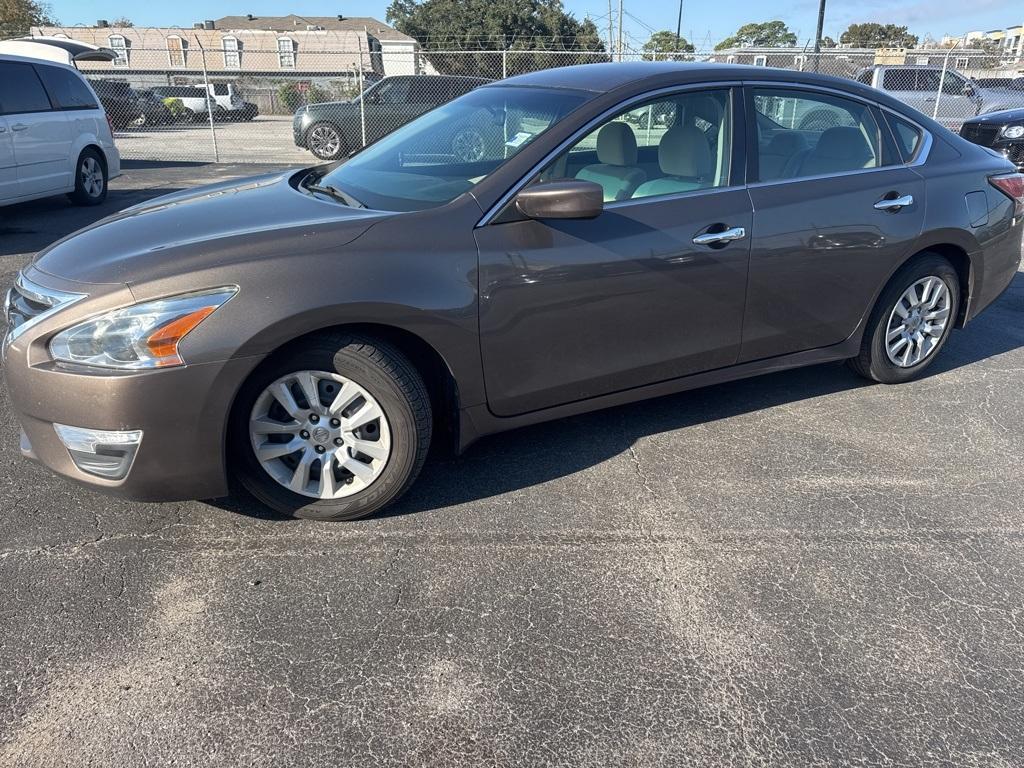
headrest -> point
(684, 151)
(843, 143)
(786, 143)
(616, 145)
(706, 108)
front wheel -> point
(335, 429)
(911, 321)
(325, 141)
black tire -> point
(873, 361)
(85, 194)
(326, 127)
(392, 380)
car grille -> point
(27, 303)
(1016, 154)
(979, 133)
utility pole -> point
(620, 30)
(679, 26)
(611, 33)
(817, 35)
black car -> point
(152, 110)
(1002, 131)
(333, 129)
(119, 101)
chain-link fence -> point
(287, 106)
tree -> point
(874, 35)
(828, 42)
(122, 21)
(17, 17)
(537, 34)
(766, 34)
(665, 45)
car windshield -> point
(444, 153)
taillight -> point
(1011, 185)
(110, 123)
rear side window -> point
(66, 88)
(804, 134)
(907, 135)
(21, 90)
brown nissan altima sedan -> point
(623, 231)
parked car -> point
(961, 97)
(120, 102)
(224, 100)
(54, 135)
(316, 329)
(1002, 131)
(152, 110)
(333, 129)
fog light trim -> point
(101, 452)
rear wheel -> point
(90, 179)
(325, 141)
(333, 430)
(911, 321)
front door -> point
(574, 309)
(827, 226)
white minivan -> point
(54, 135)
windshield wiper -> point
(334, 193)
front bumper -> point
(182, 413)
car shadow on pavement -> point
(538, 454)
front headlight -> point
(141, 336)
(1013, 131)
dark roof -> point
(291, 22)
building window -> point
(921, 61)
(176, 49)
(232, 55)
(760, 61)
(730, 60)
(119, 46)
(799, 62)
(963, 62)
(286, 53)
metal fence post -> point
(942, 80)
(209, 106)
(504, 63)
(362, 92)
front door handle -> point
(726, 236)
(3, 128)
(19, 127)
(895, 203)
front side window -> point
(176, 48)
(119, 45)
(803, 134)
(21, 90)
(900, 80)
(286, 53)
(446, 152)
(232, 55)
(66, 89)
(673, 144)
(394, 91)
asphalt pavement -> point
(799, 569)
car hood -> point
(1000, 117)
(230, 221)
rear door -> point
(8, 168)
(827, 229)
(40, 132)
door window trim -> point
(738, 167)
(753, 150)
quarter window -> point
(907, 135)
(66, 88)
(119, 45)
(674, 144)
(21, 90)
(809, 134)
(176, 48)
(286, 53)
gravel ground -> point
(800, 569)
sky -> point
(704, 21)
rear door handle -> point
(895, 203)
(726, 236)
(19, 127)
(3, 128)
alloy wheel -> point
(320, 434)
(324, 141)
(91, 175)
(918, 322)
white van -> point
(54, 135)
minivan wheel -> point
(325, 141)
(911, 321)
(334, 429)
(90, 179)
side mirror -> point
(561, 200)
(968, 90)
